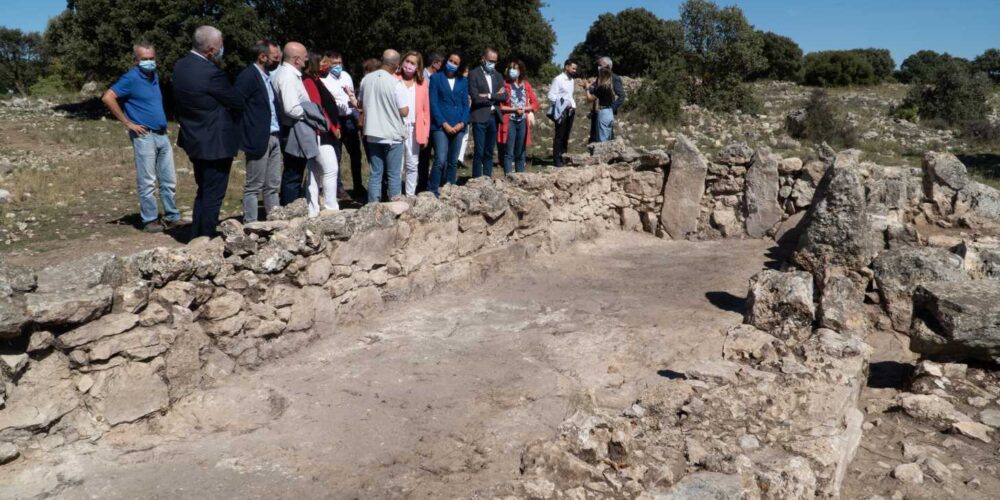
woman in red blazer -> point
(518, 113)
(325, 168)
(418, 123)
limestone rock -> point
(932, 409)
(957, 318)
(109, 325)
(909, 473)
(841, 305)
(899, 271)
(748, 343)
(8, 452)
(70, 306)
(705, 485)
(789, 166)
(736, 154)
(683, 189)
(129, 392)
(761, 198)
(223, 306)
(781, 303)
(974, 430)
(839, 232)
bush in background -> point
(989, 62)
(635, 39)
(952, 95)
(822, 123)
(660, 96)
(783, 56)
(923, 64)
(837, 68)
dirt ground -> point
(435, 398)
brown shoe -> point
(153, 227)
(170, 225)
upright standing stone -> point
(683, 190)
(761, 200)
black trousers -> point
(350, 138)
(560, 141)
(292, 178)
(212, 178)
(424, 166)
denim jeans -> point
(446, 151)
(485, 135)
(605, 124)
(154, 159)
(263, 181)
(384, 159)
(516, 136)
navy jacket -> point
(481, 105)
(205, 103)
(447, 105)
(255, 123)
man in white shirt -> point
(289, 93)
(340, 84)
(563, 110)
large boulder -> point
(781, 303)
(763, 211)
(839, 232)
(736, 154)
(944, 176)
(957, 319)
(900, 270)
(683, 189)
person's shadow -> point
(180, 234)
(727, 301)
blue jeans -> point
(605, 125)
(445, 168)
(485, 135)
(154, 159)
(517, 134)
(381, 156)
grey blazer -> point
(302, 142)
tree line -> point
(706, 56)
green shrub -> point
(837, 68)
(49, 86)
(547, 72)
(982, 131)
(661, 94)
(923, 64)
(952, 95)
(824, 124)
(784, 58)
(989, 62)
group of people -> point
(293, 113)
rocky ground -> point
(436, 398)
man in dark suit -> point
(205, 102)
(487, 91)
(260, 131)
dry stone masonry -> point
(110, 340)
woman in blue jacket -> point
(449, 96)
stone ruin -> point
(110, 340)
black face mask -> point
(271, 66)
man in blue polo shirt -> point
(138, 90)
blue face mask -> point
(337, 70)
(451, 68)
(147, 67)
(219, 54)
(490, 66)
(514, 73)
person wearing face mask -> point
(384, 106)
(206, 103)
(562, 110)
(324, 169)
(449, 102)
(260, 130)
(290, 93)
(339, 82)
(418, 121)
(143, 117)
(487, 92)
(518, 113)
(608, 94)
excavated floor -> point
(433, 398)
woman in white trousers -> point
(418, 122)
(323, 169)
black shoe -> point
(152, 227)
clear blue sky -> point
(961, 27)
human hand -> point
(136, 128)
(336, 133)
(520, 111)
(448, 129)
(459, 127)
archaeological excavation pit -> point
(645, 324)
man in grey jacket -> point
(384, 104)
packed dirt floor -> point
(433, 398)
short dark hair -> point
(487, 50)
(262, 46)
(568, 62)
(434, 57)
(461, 60)
(333, 54)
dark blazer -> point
(481, 105)
(255, 122)
(447, 105)
(616, 85)
(205, 103)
